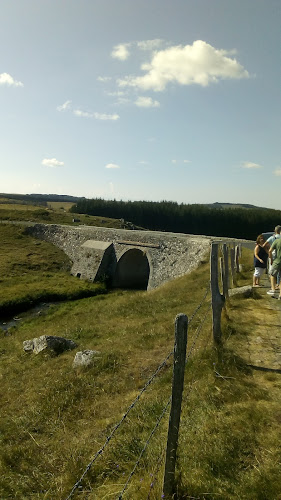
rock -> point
(245, 291)
(28, 345)
(55, 344)
(85, 358)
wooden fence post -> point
(237, 255)
(232, 266)
(181, 323)
(225, 282)
(217, 298)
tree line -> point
(183, 218)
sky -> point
(142, 99)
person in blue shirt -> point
(275, 280)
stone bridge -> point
(130, 259)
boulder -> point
(56, 345)
(85, 358)
(244, 291)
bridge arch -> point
(132, 270)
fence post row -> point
(225, 277)
(217, 298)
(181, 323)
(237, 255)
(232, 266)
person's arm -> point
(256, 253)
(270, 253)
(266, 246)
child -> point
(260, 260)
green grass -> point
(55, 213)
(55, 418)
(33, 271)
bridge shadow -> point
(132, 270)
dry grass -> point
(55, 418)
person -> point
(260, 260)
(267, 245)
(275, 265)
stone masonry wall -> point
(170, 255)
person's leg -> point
(273, 282)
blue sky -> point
(142, 100)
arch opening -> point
(132, 270)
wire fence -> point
(133, 404)
(213, 288)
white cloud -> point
(277, 172)
(104, 78)
(250, 164)
(117, 93)
(143, 162)
(146, 102)
(112, 165)
(97, 116)
(174, 161)
(121, 51)
(66, 105)
(186, 161)
(199, 63)
(6, 79)
(83, 114)
(104, 116)
(52, 162)
(150, 44)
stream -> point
(7, 323)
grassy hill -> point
(52, 212)
(55, 418)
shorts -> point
(259, 271)
(275, 268)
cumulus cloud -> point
(121, 51)
(277, 172)
(150, 44)
(6, 79)
(186, 161)
(174, 161)
(112, 165)
(199, 63)
(97, 116)
(52, 162)
(250, 164)
(146, 102)
(65, 106)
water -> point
(8, 323)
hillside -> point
(55, 418)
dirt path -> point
(263, 347)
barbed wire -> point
(201, 303)
(156, 472)
(108, 439)
(198, 331)
(144, 448)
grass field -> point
(33, 271)
(55, 418)
(54, 213)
